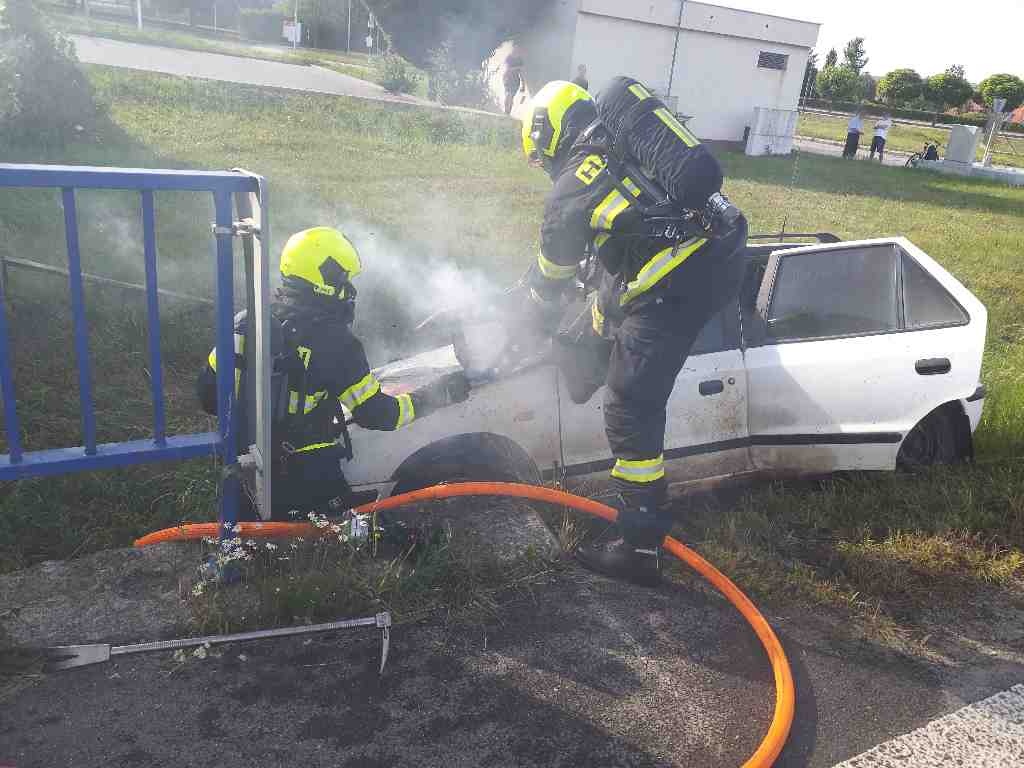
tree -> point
(948, 89)
(809, 89)
(839, 84)
(868, 86)
(1003, 86)
(900, 86)
(854, 55)
(831, 59)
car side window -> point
(926, 304)
(837, 292)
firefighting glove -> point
(449, 389)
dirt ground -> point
(581, 671)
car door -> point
(706, 427)
(849, 346)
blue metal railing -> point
(18, 463)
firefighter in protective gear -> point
(656, 294)
(311, 325)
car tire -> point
(936, 439)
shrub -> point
(449, 85)
(263, 24)
(397, 76)
(44, 95)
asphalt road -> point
(235, 69)
(835, 149)
(579, 671)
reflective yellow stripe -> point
(239, 350)
(602, 217)
(601, 238)
(553, 271)
(640, 471)
(597, 317)
(639, 91)
(314, 447)
(605, 214)
(360, 392)
(312, 401)
(658, 267)
(406, 411)
(676, 127)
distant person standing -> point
(513, 80)
(881, 133)
(853, 131)
(581, 77)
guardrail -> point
(228, 189)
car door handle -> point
(933, 366)
(713, 387)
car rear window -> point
(926, 303)
(840, 292)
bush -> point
(1003, 86)
(263, 24)
(44, 96)
(449, 85)
(397, 76)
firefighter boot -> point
(636, 555)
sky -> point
(985, 36)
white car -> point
(859, 355)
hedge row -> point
(969, 118)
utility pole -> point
(138, 14)
(295, 29)
(348, 45)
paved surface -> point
(835, 149)
(989, 734)
(235, 69)
(579, 671)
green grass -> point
(904, 137)
(414, 185)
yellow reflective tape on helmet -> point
(639, 91)
(553, 271)
(640, 471)
(406, 411)
(360, 392)
(597, 317)
(658, 267)
(557, 97)
(676, 127)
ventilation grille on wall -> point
(768, 60)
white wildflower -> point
(198, 589)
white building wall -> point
(718, 82)
(611, 47)
(547, 49)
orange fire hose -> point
(785, 701)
